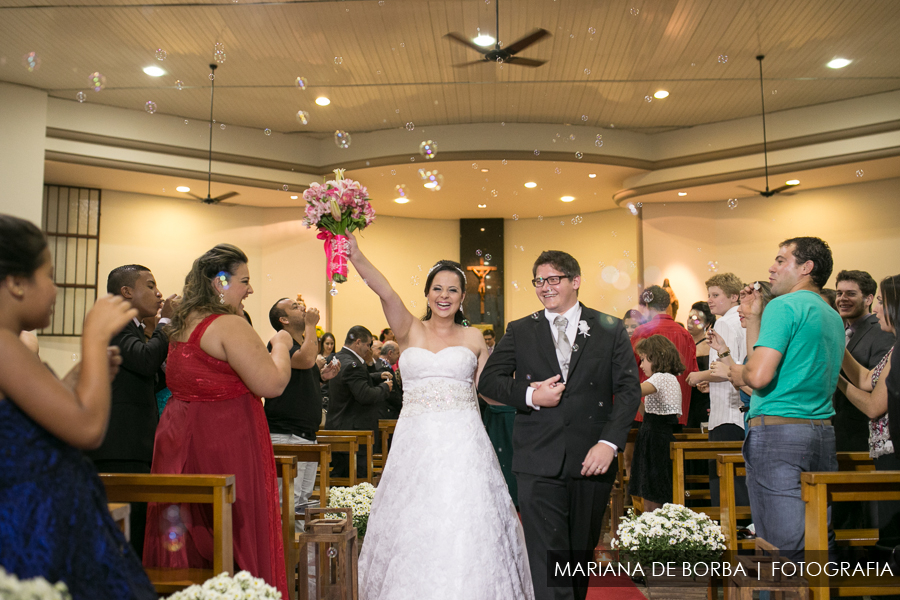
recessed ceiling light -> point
(484, 40)
(323, 101)
(401, 200)
(430, 184)
(530, 185)
(567, 198)
(482, 206)
(482, 228)
(154, 71)
(183, 188)
(294, 197)
(682, 193)
(485, 170)
(592, 175)
(838, 63)
(792, 182)
(661, 94)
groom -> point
(561, 368)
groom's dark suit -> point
(561, 509)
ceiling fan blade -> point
(469, 64)
(225, 196)
(782, 188)
(526, 41)
(193, 195)
(751, 189)
(525, 62)
(458, 38)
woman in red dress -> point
(215, 424)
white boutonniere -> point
(583, 328)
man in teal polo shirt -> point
(795, 354)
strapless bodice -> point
(437, 381)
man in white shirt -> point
(726, 419)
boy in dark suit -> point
(128, 447)
(561, 368)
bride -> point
(442, 523)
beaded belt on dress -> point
(438, 395)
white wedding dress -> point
(442, 525)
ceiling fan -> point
(502, 55)
(209, 199)
(768, 193)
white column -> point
(23, 125)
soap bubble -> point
(503, 162)
(557, 170)
(487, 257)
(635, 12)
(428, 149)
(579, 155)
(859, 173)
(338, 60)
(80, 96)
(179, 84)
(219, 56)
(478, 253)
(723, 58)
(584, 117)
(732, 203)
(285, 187)
(515, 217)
(161, 54)
(495, 193)
(31, 61)
(401, 190)
(333, 291)
(591, 30)
(647, 297)
(332, 552)
(414, 280)
(599, 141)
(410, 126)
(515, 285)
(303, 117)
(301, 83)
(150, 106)
(222, 126)
(267, 131)
(587, 71)
(713, 266)
(474, 165)
(577, 219)
(540, 218)
(75, 358)
(98, 81)
(212, 76)
(537, 152)
(648, 99)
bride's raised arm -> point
(399, 318)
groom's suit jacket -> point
(601, 368)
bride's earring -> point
(221, 298)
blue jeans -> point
(775, 456)
(305, 480)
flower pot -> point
(661, 587)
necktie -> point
(848, 333)
(562, 343)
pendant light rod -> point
(762, 97)
(212, 96)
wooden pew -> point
(317, 453)
(286, 466)
(121, 514)
(386, 430)
(341, 443)
(817, 489)
(217, 490)
(698, 450)
(364, 438)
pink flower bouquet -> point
(337, 208)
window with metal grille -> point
(72, 225)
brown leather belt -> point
(757, 421)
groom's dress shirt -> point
(572, 316)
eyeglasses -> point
(552, 280)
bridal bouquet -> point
(359, 498)
(671, 533)
(337, 208)
(243, 586)
(12, 588)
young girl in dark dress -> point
(54, 518)
(651, 468)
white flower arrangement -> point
(359, 498)
(671, 533)
(12, 588)
(243, 586)
(583, 328)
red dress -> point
(213, 424)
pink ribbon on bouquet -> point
(337, 255)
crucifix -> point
(481, 270)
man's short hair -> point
(124, 276)
(357, 332)
(389, 347)
(489, 332)
(275, 314)
(561, 261)
(656, 298)
(816, 250)
(865, 281)
(727, 282)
